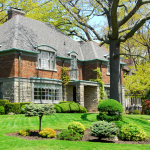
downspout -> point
(63, 88)
(19, 72)
(121, 83)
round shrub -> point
(111, 106)
(2, 110)
(136, 112)
(132, 132)
(69, 135)
(47, 133)
(25, 132)
(77, 127)
(104, 129)
(22, 111)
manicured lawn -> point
(14, 123)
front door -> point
(1, 93)
(74, 94)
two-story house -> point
(32, 54)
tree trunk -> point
(40, 118)
(115, 89)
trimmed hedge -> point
(3, 102)
(136, 112)
(12, 107)
(2, 110)
(69, 107)
(24, 103)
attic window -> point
(46, 60)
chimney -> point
(13, 12)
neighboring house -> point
(32, 54)
(133, 103)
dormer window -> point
(46, 58)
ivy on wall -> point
(101, 84)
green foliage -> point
(47, 133)
(104, 129)
(109, 118)
(71, 135)
(132, 132)
(77, 127)
(39, 109)
(25, 132)
(126, 112)
(66, 102)
(101, 83)
(2, 110)
(110, 105)
(67, 107)
(65, 76)
(136, 112)
(3, 102)
(22, 111)
(12, 107)
(24, 103)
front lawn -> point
(14, 123)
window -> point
(48, 92)
(74, 69)
(108, 67)
(46, 60)
(107, 91)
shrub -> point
(136, 112)
(110, 110)
(69, 106)
(69, 135)
(132, 132)
(12, 107)
(24, 103)
(2, 110)
(61, 102)
(25, 132)
(126, 112)
(104, 129)
(22, 110)
(109, 118)
(77, 127)
(48, 133)
(3, 102)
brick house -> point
(32, 54)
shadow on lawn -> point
(84, 117)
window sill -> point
(46, 69)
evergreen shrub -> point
(25, 132)
(3, 102)
(136, 112)
(77, 127)
(104, 129)
(2, 110)
(109, 110)
(12, 107)
(69, 107)
(22, 110)
(132, 132)
(24, 103)
(71, 135)
(47, 133)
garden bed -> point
(87, 137)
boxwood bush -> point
(110, 110)
(69, 107)
(12, 107)
(3, 102)
(136, 112)
(2, 110)
(47, 133)
(24, 103)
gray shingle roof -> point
(25, 33)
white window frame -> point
(51, 61)
(108, 67)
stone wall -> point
(69, 91)
(80, 94)
(91, 97)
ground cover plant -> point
(14, 123)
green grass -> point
(14, 123)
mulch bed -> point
(87, 137)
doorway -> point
(74, 94)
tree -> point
(39, 110)
(120, 27)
